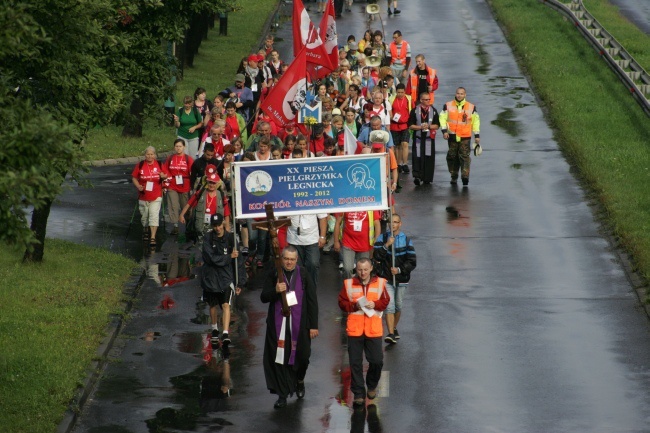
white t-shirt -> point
(309, 233)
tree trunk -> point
(133, 126)
(39, 226)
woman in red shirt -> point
(147, 176)
(177, 186)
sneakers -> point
(390, 339)
(405, 169)
(214, 338)
(453, 181)
(397, 11)
(372, 394)
(390, 12)
(280, 403)
(300, 389)
(465, 182)
(225, 339)
(244, 251)
(396, 334)
(416, 181)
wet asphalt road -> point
(519, 317)
(637, 11)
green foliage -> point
(35, 156)
(65, 68)
(53, 317)
(214, 69)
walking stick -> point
(131, 223)
(390, 222)
(234, 221)
(163, 211)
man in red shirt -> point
(360, 230)
(399, 127)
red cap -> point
(260, 58)
(214, 177)
(253, 58)
(210, 168)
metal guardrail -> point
(622, 63)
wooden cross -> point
(272, 225)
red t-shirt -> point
(317, 144)
(356, 227)
(232, 127)
(210, 203)
(401, 107)
(149, 177)
(178, 165)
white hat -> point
(379, 137)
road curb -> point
(120, 161)
(113, 328)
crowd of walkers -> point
(383, 99)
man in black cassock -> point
(287, 346)
(424, 123)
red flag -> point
(306, 34)
(285, 99)
(329, 35)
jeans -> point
(349, 258)
(396, 296)
(309, 257)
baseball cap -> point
(216, 219)
(380, 137)
(240, 77)
(353, 46)
(253, 58)
(214, 177)
(210, 168)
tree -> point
(65, 67)
(53, 90)
(144, 67)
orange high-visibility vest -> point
(401, 55)
(460, 122)
(358, 323)
(431, 76)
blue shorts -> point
(395, 304)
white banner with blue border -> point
(310, 185)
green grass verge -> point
(634, 40)
(53, 318)
(600, 128)
(214, 69)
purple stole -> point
(296, 315)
